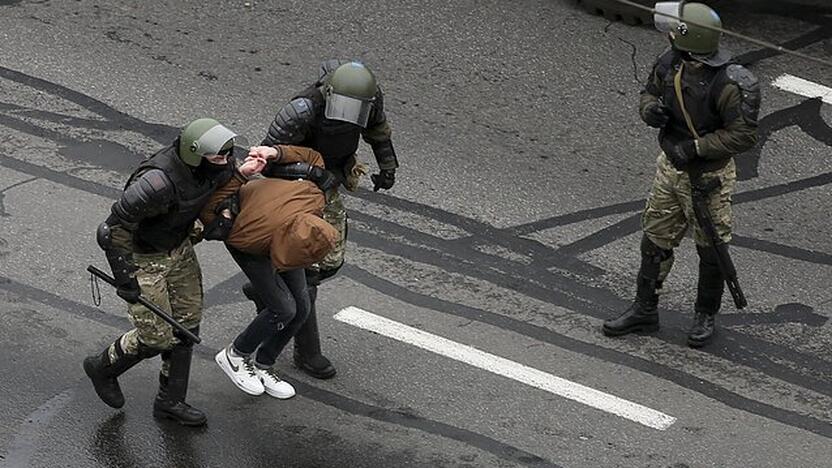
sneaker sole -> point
(230, 373)
(280, 396)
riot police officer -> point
(147, 242)
(706, 107)
(343, 106)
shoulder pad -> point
(327, 67)
(666, 58)
(749, 90)
(741, 76)
(301, 108)
(665, 62)
(149, 194)
(291, 122)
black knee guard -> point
(316, 277)
(711, 284)
(650, 276)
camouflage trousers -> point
(173, 281)
(669, 210)
(336, 215)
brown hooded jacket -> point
(280, 218)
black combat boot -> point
(307, 355)
(709, 291)
(703, 329)
(104, 374)
(170, 401)
(643, 315)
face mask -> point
(209, 170)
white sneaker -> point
(241, 372)
(274, 385)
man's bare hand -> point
(264, 152)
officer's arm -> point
(651, 92)
(297, 162)
(739, 106)
(378, 133)
(290, 126)
(149, 195)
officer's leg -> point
(307, 355)
(642, 315)
(663, 225)
(150, 336)
(185, 295)
(105, 368)
(711, 283)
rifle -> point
(700, 190)
(153, 308)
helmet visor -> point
(664, 23)
(348, 109)
(215, 140)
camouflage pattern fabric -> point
(336, 215)
(669, 209)
(353, 174)
(173, 281)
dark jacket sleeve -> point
(651, 92)
(378, 133)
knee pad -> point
(656, 254)
(316, 277)
(329, 273)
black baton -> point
(700, 191)
(153, 307)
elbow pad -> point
(290, 123)
(120, 261)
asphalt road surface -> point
(466, 326)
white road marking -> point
(806, 88)
(506, 368)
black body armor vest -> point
(166, 231)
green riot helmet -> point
(204, 137)
(685, 36)
(350, 93)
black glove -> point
(218, 229)
(324, 179)
(231, 203)
(681, 154)
(656, 115)
(384, 179)
(129, 291)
